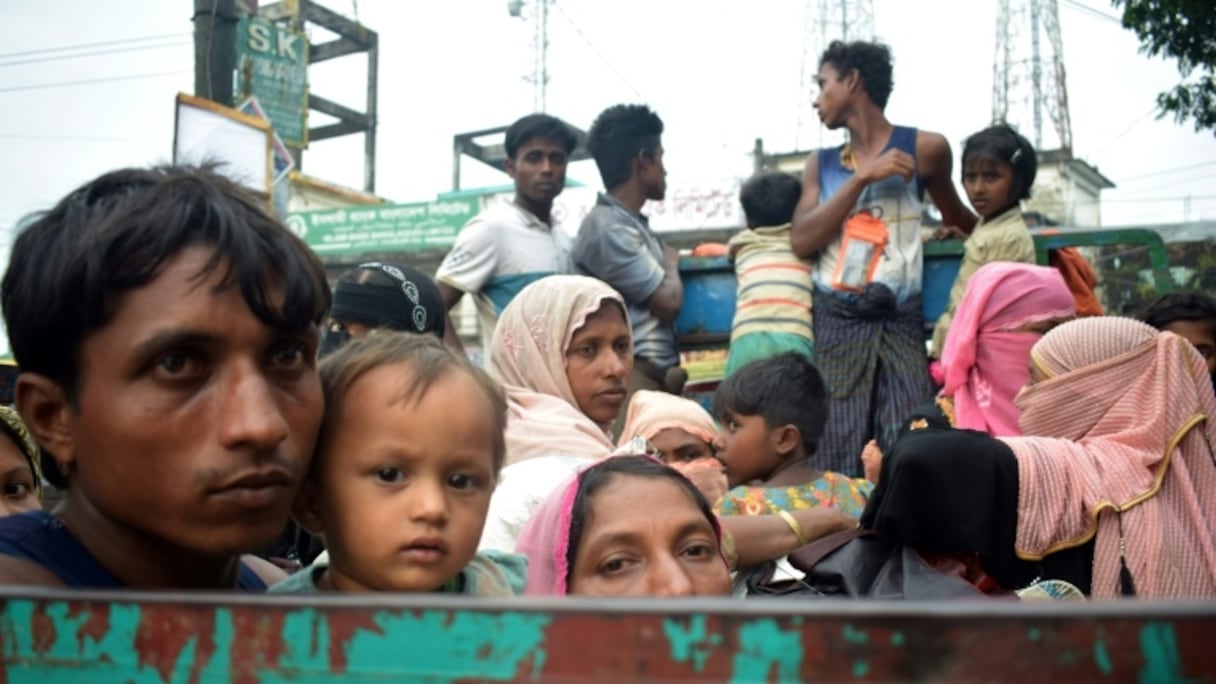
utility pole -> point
(215, 49)
(539, 15)
(1028, 84)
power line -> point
(1146, 200)
(599, 54)
(55, 58)
(1159, 186)
(1165, 172)
(37, 136)
(111, 79)
(1086, 9)
(1139, 120)
(123, 41)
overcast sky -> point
(720, 73)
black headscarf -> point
(396, 296)
(946, 490)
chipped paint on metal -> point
(1162, 661)
(763, 647)
(1102, 658)
(446, 646)
(76, 637)
(692, 643)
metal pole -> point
(369, 137)
(215, 49)
(1036, 75)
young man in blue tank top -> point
(869, 333)
(166, 327)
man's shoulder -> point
(931, 141)
(16, 532)
(498, 215)
(606, 217)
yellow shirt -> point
(1004, 238)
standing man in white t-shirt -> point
(512, 244)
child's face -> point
(645, 536)
(402, 488)
(989, 185)
(748, 448)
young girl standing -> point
(999, 167)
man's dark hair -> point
(539, 127)
(71, 264)
(872, 62)
(618, 134)
(785, 389)
(769, 198)
(597, 476)
(1180, 306)
(1002, 143)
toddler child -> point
(406, 461)
(773, 300)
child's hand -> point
(893, 162)
(949, 233)
(708, 474)
(871, 459)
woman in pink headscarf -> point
(681, 433)
(563, 351)
(1115, 492)
(626, 526)
(1005, 310)
(985, 361)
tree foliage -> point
(1184, 30)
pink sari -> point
(986, 359)
(1123, 451)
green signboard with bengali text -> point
(272, 64)
(383, 227)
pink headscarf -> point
(986, 363)
(528, 356)
(652, 412)
(545, 539)
(1124, 448)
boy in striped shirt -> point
(773, 301)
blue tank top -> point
(40, 537)
(898, 203)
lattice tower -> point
(824, 21)
(1028, 84)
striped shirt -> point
(774, 286)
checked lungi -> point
(871, 352)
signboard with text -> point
(383, 227)
(272, 65)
